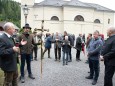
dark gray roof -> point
(75, 3)
(99, 7)
(51, 2)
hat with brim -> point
(27, 26)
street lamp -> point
(25, 11)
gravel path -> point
(55, 74)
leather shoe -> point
(22, 79)
(70, 61)
(89, 77)
(88, 72)
(79, 59)
(31, 76)
(55, 59)
(35, 59)
(94, 82)
(49, 57)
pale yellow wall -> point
(68, 14)
(71, 12)
(45, 13)
(106, 25)
(55, 26)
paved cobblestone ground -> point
(54, 74)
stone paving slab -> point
(55, 74)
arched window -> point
(97, 21)
(54, 18)
(79, 18)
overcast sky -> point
(106, 3)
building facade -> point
(72, 16)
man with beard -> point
(26, 52)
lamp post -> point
(25, 11)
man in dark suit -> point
(108, 54)
(8, 55)
(78, 46)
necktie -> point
(12, 40)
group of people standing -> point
(65, 42)
(27, 43)
(104, 50)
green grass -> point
(1, 77)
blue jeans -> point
(65, 57)
(27, 58)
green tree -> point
(10, 11)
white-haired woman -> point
(66, 50)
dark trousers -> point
(35, 51)
(70, 56)
(59, 53)
(78, 55)
(109, 72)
(10, 78)
(94, 68)
(48, 52)
(27, 58)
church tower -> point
(28, 2)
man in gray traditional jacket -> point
(57, 46)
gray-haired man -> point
(8, 55)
